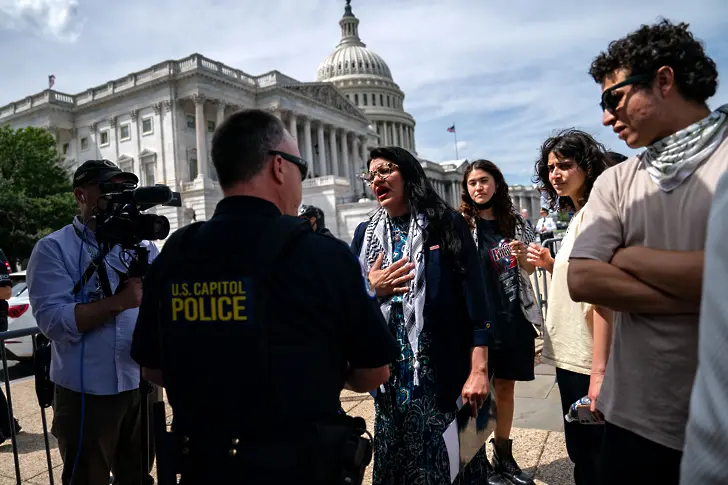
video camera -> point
(122, 222)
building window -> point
(381, 100)
(210, 126)
(65, 148)
(356, 99)
(147, 126)
(190, 121)
(374, 99)
(125, 132)
(365, 99)
(104, 138)
(84, 143)
(347, 98)
(149, 168)
(126, 167)
(192, 167)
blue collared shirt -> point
(52, 272)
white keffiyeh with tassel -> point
(378, 239)
(673, 159)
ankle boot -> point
(494, 478)
(505, 464)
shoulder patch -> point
(367, 284)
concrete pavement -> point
(538, 440)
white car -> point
(20, 315)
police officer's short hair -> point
(241, 144)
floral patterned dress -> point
(408, 445)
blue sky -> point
(508, 74)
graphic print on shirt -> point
(506, 267)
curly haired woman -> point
(576, 335)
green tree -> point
(35, 190)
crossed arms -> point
(629, 279)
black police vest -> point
(213, 318)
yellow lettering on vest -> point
(185, 289)
(178, 305)
(224, 314)
(191, 311)
(203, 317)
(213, 288)
(196, 289)
(239, 309)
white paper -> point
(452, 443)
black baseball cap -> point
(310, 211)
(97, 171)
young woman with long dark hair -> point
(424, 268)
(576, 335)
(502, 236)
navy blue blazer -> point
(456, 310)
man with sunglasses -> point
(283, 311)
(640, 251)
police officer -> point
(315, 217)
(254, 323)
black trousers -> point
(583, 441)
(631, 459)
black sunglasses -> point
(297, 161)
(610, 100)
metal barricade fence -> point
(540, 279)
(14, 334)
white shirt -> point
(545, 224)
(706, 438)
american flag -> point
(451, 129)
(51, 81)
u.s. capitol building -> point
(158, 123)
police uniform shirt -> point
(321, 310)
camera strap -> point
(96, 265)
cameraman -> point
(97, 393)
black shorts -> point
(513, 364)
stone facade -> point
(158, 123)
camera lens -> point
(151, 227)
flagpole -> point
(455, 134)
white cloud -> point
(506, 73)
(55, 19)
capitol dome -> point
(366, 81)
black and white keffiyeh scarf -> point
(378, 239)
(673, 159)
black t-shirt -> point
(512, 329)
(323, 319)
(4, 281)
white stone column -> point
(115, 140)
(293, 126)
(321, 151)
(92, 140)
(387, 138)
(345, 155)
(364, 151)
(159, 172)
(400, 133)
(200, 136)
(308, 148)
(382, 138)
(332, 151)
(220, 112)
